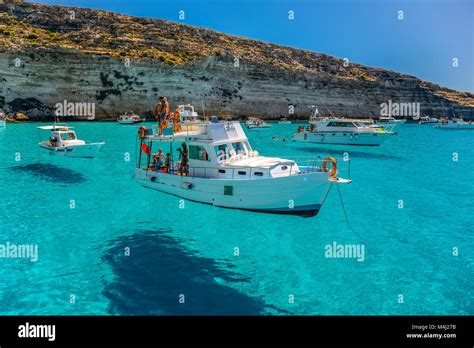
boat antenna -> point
(329, 111)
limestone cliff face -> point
(124, 63)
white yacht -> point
(223, 170)
(253, 122)
(129, 118)
(428, 120)
(187, 113)
(390, 119)
(3, 121)
(340, 131)
(454, 124)
(63, 142)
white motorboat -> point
(130, 118)
(284, 121)
(63, 142)
(340, 131)
(223, 170)
(187, 113)
(454, 124)
(390, 119)
(3, 119)
(428, 120)
(253, 122)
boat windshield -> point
(68, 136)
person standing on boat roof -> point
(162, 110)
(176, 121)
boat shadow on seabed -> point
(355, 154)
(159, 268)
(51, 172)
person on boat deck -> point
(167, 165)
(183, 152)
(176, 121)
(162, 110)
(159, 158)
(54, 141)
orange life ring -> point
(333, 168)
(142, 132)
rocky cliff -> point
(49, 54)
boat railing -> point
(300, 165)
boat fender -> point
(188, 185)
(153, 179)
(356, 137)
(333, 171)
(142, 132)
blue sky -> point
(424, 43)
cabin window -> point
(68, 136)
(222, 171)
(284, 167)
(238, 147)
(222, 152)
(340, 124)
(258, 174)
(198, 152)
(242, 172)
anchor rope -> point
(345, 213)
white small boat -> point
(284, 121)
(454, 124)
(223, 170)
(129, 118)
(340, 131)
(187, 113)
(3, 121)
(428, 120)
(253, 122)
(390, 119)
(63, 142)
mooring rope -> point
(345, 213)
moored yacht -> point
(218, 166)
(390, 119)
(340, 131)
(428, 120)
(63, 142)
(253, 122)
(454, 124)
(130, 118)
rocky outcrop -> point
(49, 54)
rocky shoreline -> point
(121, 63)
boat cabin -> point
(214, 150)
(61, 136)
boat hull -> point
(78, 151)
(295, 195)
(340, 138)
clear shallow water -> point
(190, 251)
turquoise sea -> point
(422, 251)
